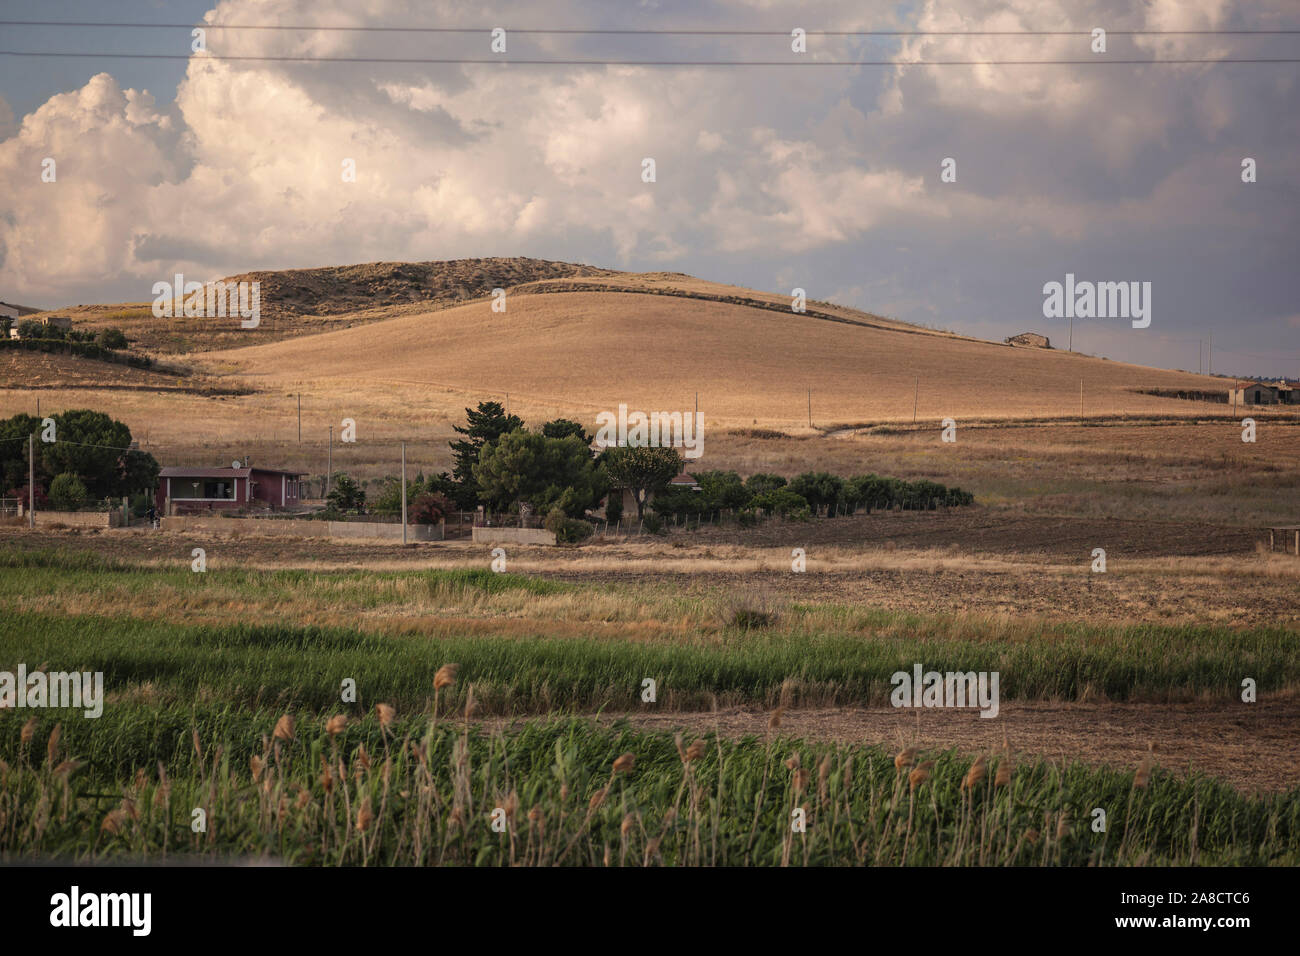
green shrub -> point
(783, 502)
(112, 339)
(820, 489)
(67, 492)
(568, 530)
(679, 502)
(31, 329)
(654, 523)
(614, 507)
(346, 494)
(759, 483)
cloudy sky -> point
(823, 177)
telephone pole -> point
(403, 492)
(31, 480)
(300, 418)
(810, 408)
(329, 464)
(916, 397)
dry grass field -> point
(405, 370)
(583, 352)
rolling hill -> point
(581, 350)
(573, 341)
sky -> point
(822, 177)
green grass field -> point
(191, 709)
(534, 646)
(425, 792)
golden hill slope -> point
(582, 352)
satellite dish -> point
(236, 464)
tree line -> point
(91, 460)
(553, 472)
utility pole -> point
(1080, 398)
(300, 418)
(1070, 347)
(329, 464)
(1200, 356)
(916, 397)
(31, 480)
(810, 408)
(507, 403)
(403, 492)
(1209, 356)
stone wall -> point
(512, 536)
(79, 519)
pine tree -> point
(486, 423)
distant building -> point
(10, 311)
(46, 321)
(1265, 393)
(1032, 340)
(215, 489)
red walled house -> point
(210, 489)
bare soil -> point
(1251, 746)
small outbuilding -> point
(1030, 340)
(1264, 393)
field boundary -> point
(302, 528)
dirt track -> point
(987, 531)
(1251, 746)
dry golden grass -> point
(407, 371)
(579, 353)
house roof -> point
(21, 309)
(684, 479)
(175, 472)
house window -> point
(210, 488)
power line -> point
(79, 444)
(584, 31)
(462, 61)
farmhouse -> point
(1263, 393)
(211, 489)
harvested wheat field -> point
(583, 352)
